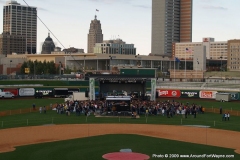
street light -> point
(110, 58)
(221, 66)
(10, 68)
(137, 61)
(60, 66)
(197, 68)
(84, 63)
(34, 69)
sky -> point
(130, 20)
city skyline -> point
(129, 20)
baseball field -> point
(57, 136)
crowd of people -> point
(164, 108)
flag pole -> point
(174, 67)
(196, 72)
(185, 64)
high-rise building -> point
(171, 23)
(117, 46)
(233, 55)
(95, 34)
(21, 20)
(10, 44)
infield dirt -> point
(11, 138)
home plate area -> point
(125, 154)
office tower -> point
(117, 46)
(233, 55)
(95, 34)
(21, 20)
(10, 44)
(48, 45)
(171, 23)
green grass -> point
(93, 148)
(34, 119)
(12, 104)
(43, 82)
(207, 103)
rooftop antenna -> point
(95, 13)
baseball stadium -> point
(120, 117)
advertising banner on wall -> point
(189, 94)
(208, 94)
(45, 91)
(169, 93)
(234, 95)
(26, 92)
(12, 90)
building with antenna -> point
(117, 46)
(95, 34)
(48, 45)
(21, 20)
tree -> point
(38, 67)
(52, 68)
(22, 69)
(67, 70)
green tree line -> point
(38, 67)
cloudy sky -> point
(69, 20)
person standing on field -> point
(225, 116)
(34, 106)
(44, 109)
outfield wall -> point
(205, 94)
(165, 93)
